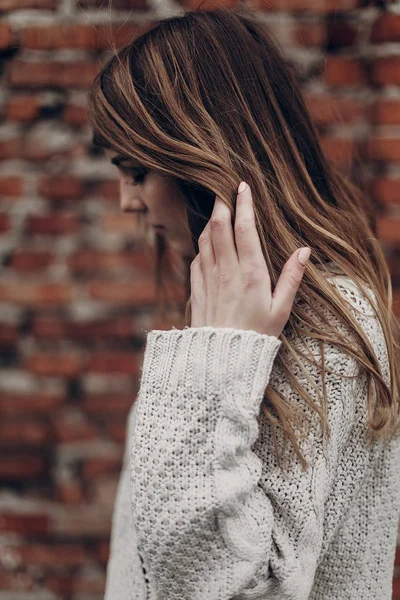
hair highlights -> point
(207, 99)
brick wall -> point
(72, 311)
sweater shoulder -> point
(362, 304)
(335, 357)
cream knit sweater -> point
(202, 510)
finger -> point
(197, 294)
(246, 235)
(287, 286)
(206, 256)
(206, 248)
(222, 237)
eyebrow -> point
(117, 160)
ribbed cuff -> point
(210, 361)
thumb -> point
(289, 282)
(197, 296)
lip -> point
(158, 227)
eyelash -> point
(138, 176)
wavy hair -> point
(207, 99)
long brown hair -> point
(207, 99)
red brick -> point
(388, 229)
(67, 430)
(386, 70)
(326, 109)
(384, 149)
(5, 223)
(24, 433)
(11, 148)
(82, 37)
(109, 189)
(18, 582)
(22, 107)
(114, 362)
(38, 150)
(61, 187)
(339, 150)
(109, 404)
(120, 35)
(8, 335)
(386, 190)
(386, 28)
(63, 365)
(340, 34)
(396, 586)
(207, 5)
(31, 260)
(342, 71)
(385, 112)
(34, 294)
(157, 322)
(93, 467)
(309, 34)
(75, 114)
(6, 35)
(49, 328)
(21, 466)
(53, 224)
(24, 523)
(69, 492)
(102, 551)
(116, 328)
(116, 431)
(6, 5)
(328, 6)
(113, 328)
(91, 261)
(117, 4)
(393, 262)
(76, 585)
(52, 555)
(120, 222)
(64, 35)
(11, 185)
(30, 404)
(139, 293)
(21, 74)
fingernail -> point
(303, 256)
(242, 186)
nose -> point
(129, 202)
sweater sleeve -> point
(124, 568)
(215, 516)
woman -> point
(262, 453)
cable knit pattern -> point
(203, 512)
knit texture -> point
(204, 512)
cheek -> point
(157, 193)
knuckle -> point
(252, 276)
(203, 239)
(242, 226)
(217, 223)
(224, 277)
(294, 279)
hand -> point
(230, 283)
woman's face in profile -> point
(159, 199)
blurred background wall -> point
(76, 287)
